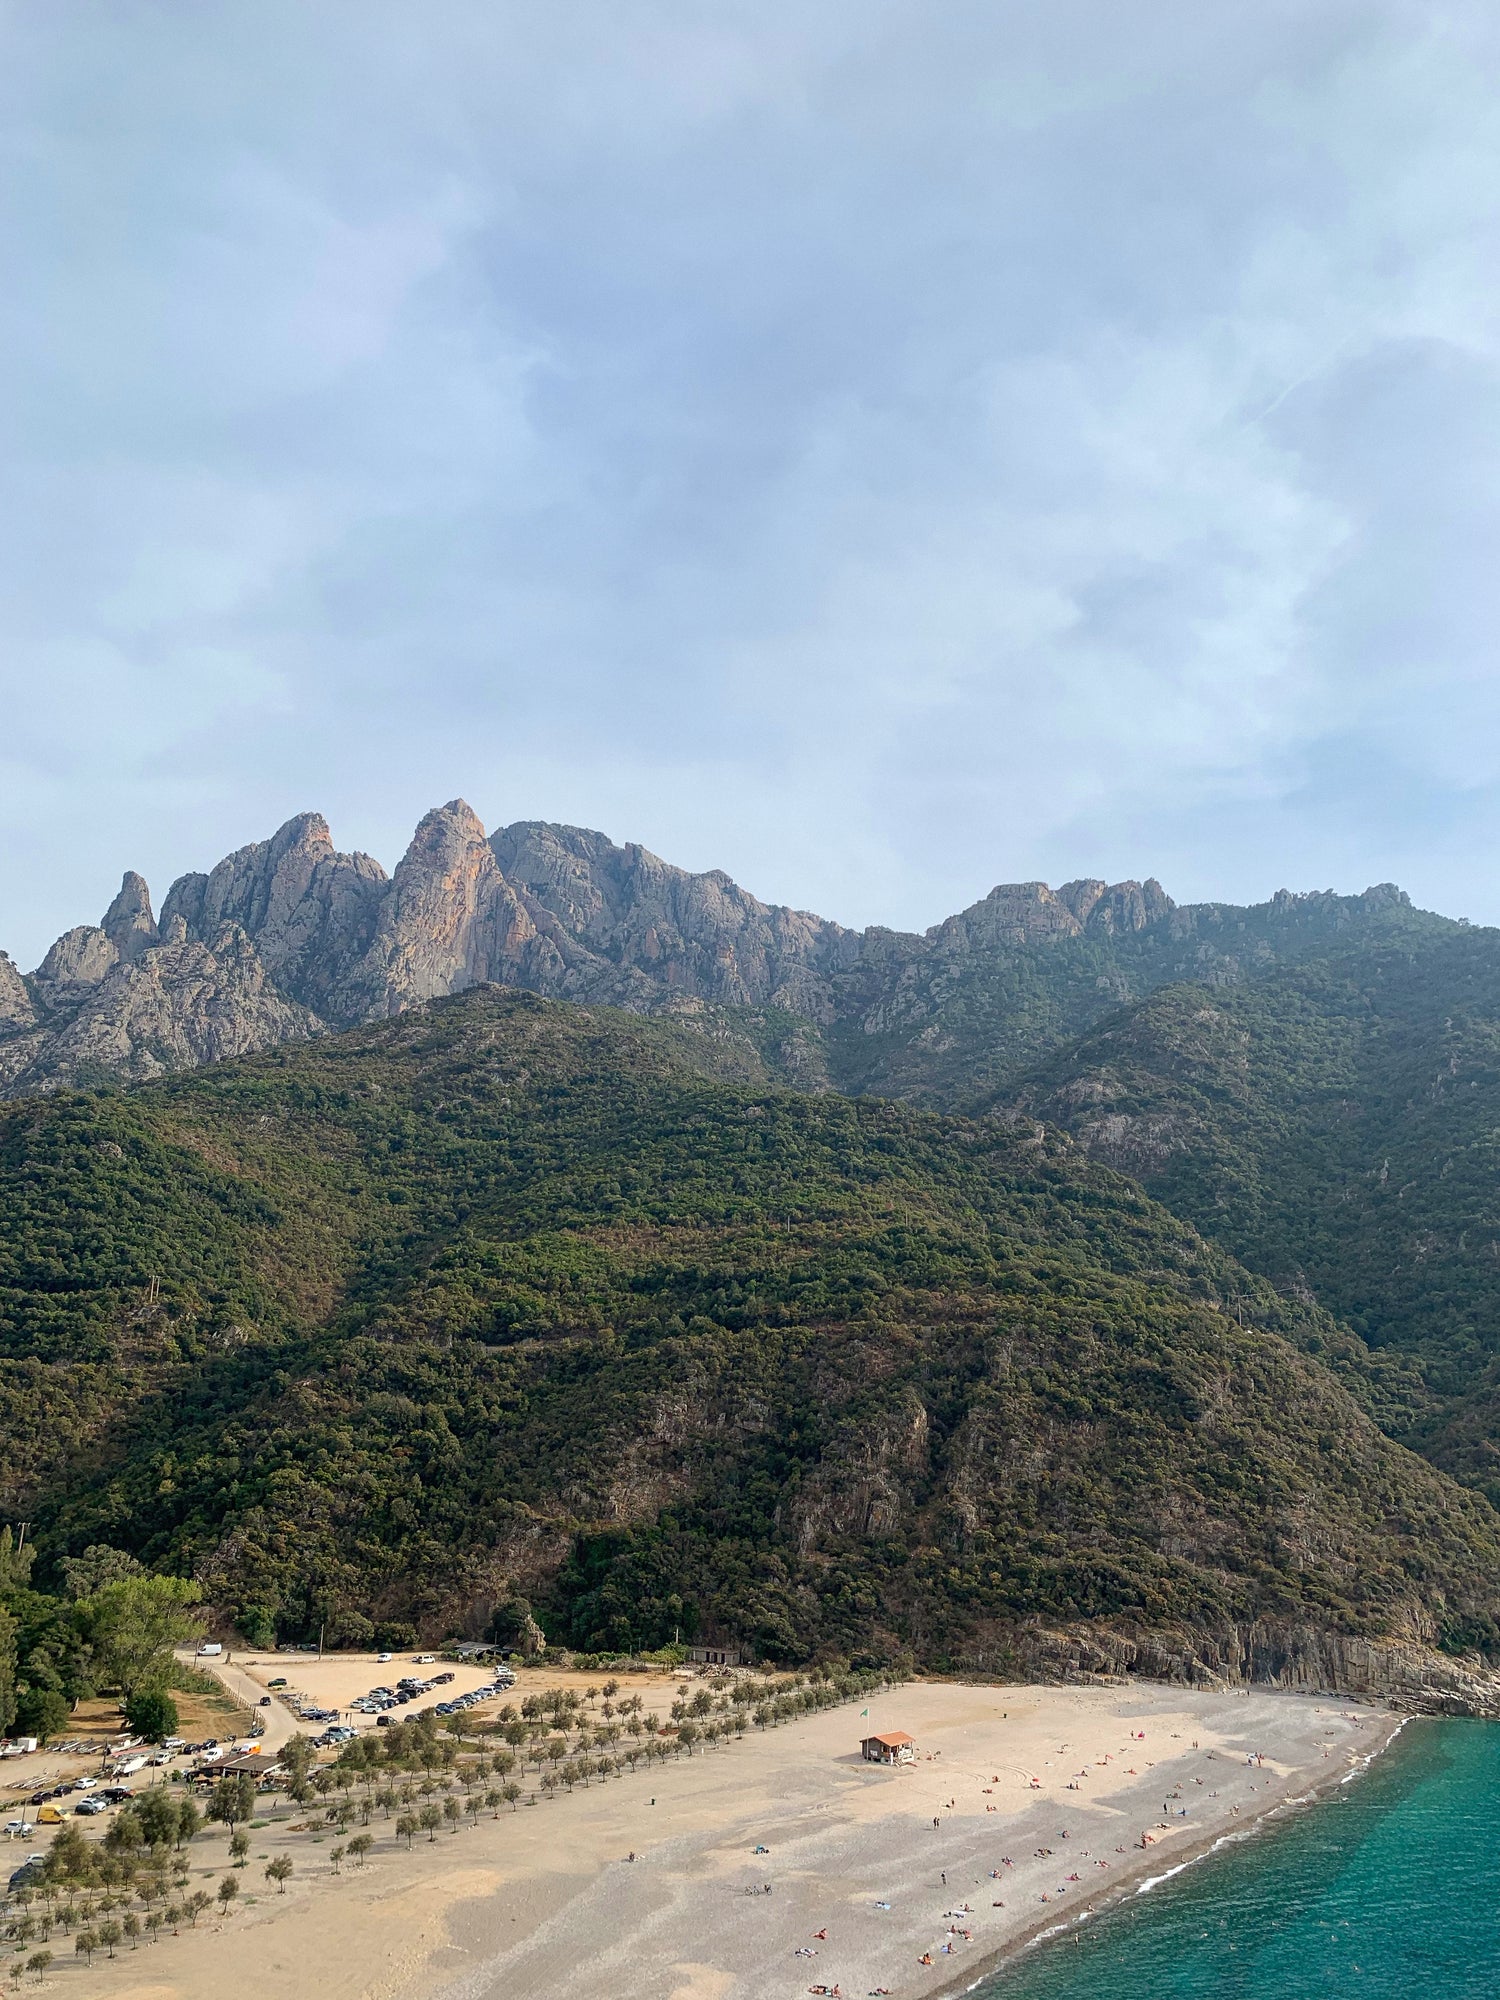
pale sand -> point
(543, 1902)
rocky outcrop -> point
(175, 1005)
(568, 913)
(128, 922)
(1405, 1674)
(80, 957)
(1018, 913)
(17, 1009)
(311, 911)
(451, 920)
(687, 934)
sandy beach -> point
(1041, 1797)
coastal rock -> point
(1407, 1674)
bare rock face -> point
(81, 957)
(17, 1010)
(172, 1007)
(451, 920)
(689, 934)
(128, 922)
(311, 911)
(1021, 913)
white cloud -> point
(873, 449)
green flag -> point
(864, 1711)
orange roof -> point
(892, 1740)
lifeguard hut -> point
(893, 1746)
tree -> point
(189, 1820)
(229, 1888)
(510, 1792)
(336, 1856)
(196, 1904)
(360, 1846)
(152, 1713)
(431, 1819)
(278, 1870)
(110, 1935)
(296, 1758)
(40, 1711)
(233, 1799)
(239, 1846)
(85, 1944)
(157, 1815)
(86, 1575)
(134, 1624)
(38, 1963)
(407, 1828)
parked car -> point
(264, 1702)
(86, 1808)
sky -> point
(877, 448)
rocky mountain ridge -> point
(288, 937)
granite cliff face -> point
(288, 937)
(96, 1013)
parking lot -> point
(351, 1691)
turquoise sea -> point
(1388, 1890)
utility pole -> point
(321, 1630)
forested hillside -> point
(1337, 1127)
(506, 1296)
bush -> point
(258, 1626)
(152, 1713)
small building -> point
(717, 1656)
(893, 1747)
(261, 1769)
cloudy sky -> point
(879, 448)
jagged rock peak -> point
(445, 831)
(16, 1008)
(128, 922)
(80, 957)
(310, 910)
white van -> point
(210, 1650)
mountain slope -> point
(505, 1294)
(287, 937)
(1338, 1128)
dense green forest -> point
(506, 1297)
(1337, 1127)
